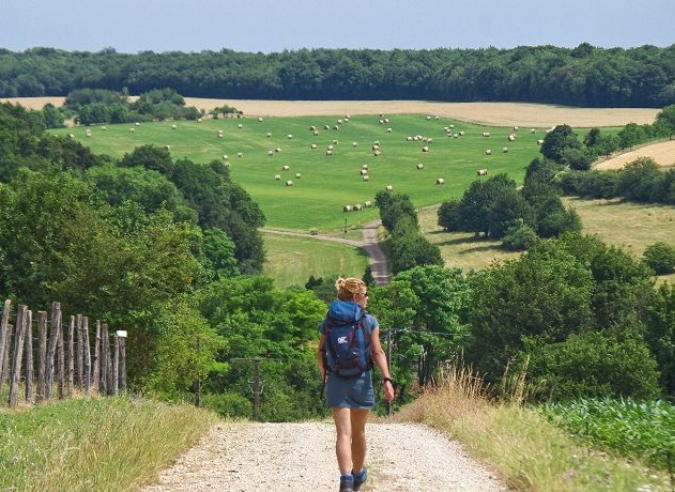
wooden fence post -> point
(109, 365)
(29, 355)
(103, 390)
(80, 353)
(51, 352)
(4, 331)
(116, 367)
(87, 356)
(42, 358)
(123, 361)
(97, 356)
(8, 355)
(61, 365)
(18, 355)
(71, 355)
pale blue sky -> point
(266, 25)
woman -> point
(351, 398)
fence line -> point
(63, 359)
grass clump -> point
(101, 444)
(528, 452)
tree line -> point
(583, 76)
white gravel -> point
(282, 457)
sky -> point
(130, 26)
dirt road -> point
(247, 457)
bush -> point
(228, 404)
(519, 237)
(594, 365)
(661, 258)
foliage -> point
(592, 184)
(409, 248)
(558, 142)
(631, 427)
(519, 237)
(477, 202)
(612, 367)
(660, 334)
(581, 76)
(661, 258)
(639, 179)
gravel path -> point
(251, 457)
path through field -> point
(377, 258)
(247, 457)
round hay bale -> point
(408, 139)
(330, 147)
(456, 135)
(416, 138)
(540, 142)
(313, 146)
(73, 136)
(377, 153)
(312, 128)
(425, 149)
(277, 150)
(430, 140)
(335, 142)
(486, 134)
(365, 177)
(376, 147)
(326, 127)
(289, 136)
(336, 127)
(420, 166)
(285, 168)
(137, 124)
(199, 120)
(298, 175)
(329, 152)
(363, 172)
(316, 133)
(428, 118)
(167, 148)
(388, 130)
(173, 127)
(505, 150)
(440, 181)
(270, 152)
(240, 125)
(104, 128)
(368, 203)
(511, 138)
(339, 122)
(289, 183)
(461, 134)
(381, 122)
(388, 188)
(268, 134)
(482, 172)
(240, 154)
(260, 119)
(488, 152)
(132, 130)
(355, 144)
(365, 166)
(533, 130)
(386, 120)
(358, 207)
(277, 177)
(347, 208)
(376, 142)
(226, 157)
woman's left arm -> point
(380, 360)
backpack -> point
(347, 351)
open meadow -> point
(630, 226)
(260, 150)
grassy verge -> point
(528, 452)
(291, 259)
(101, 444)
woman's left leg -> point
(358, 418)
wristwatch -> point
(384, 380)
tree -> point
(507, 210)
(665, 121)
(639, 179)
(478, 199)
(660, 334)
(519, 237)
(561, 139)
(396, 208)
(630, 135)
(661, 258)
(449, 217)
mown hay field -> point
(329, 182)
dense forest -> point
(583, 76)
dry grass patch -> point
(528, 452)
(663, 154)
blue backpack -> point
(347, 351)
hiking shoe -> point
(347, 484)
(359, 479)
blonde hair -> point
(347, 287)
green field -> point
(630, 226)
(291, 260)
(330, 182)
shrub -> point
(594, 365)
(228, 404)
(661, 258)
(519, 237)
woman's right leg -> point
(343, 443)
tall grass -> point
(526, 451)
(101, 444)
(631, 428)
